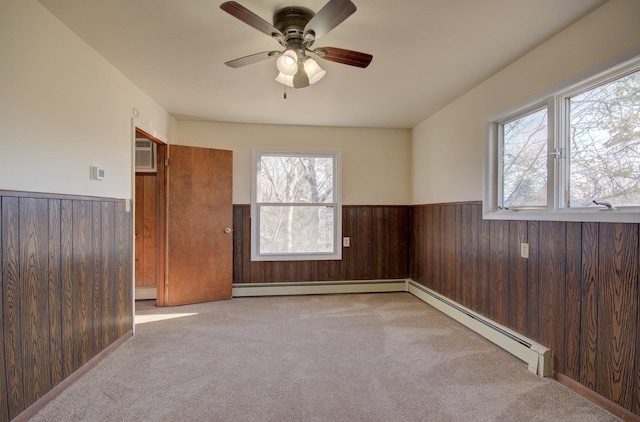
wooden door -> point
(200, 220)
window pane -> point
(524, 161)
(296, 179)
(296, 229)
(605, 144)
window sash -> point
(283, 234)
(330, 198)
(503, 202)
(569, 98)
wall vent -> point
(145, 156)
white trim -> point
(537, 356)
(132, 231)
(318, 288)
(593, 215)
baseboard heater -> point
(318, 288)
(537, 356)
(146, 293)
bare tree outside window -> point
(605, 144)
(524, 161)
(296, 204)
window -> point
(524, 160)
(573, 154)
(296, 210)
(604, 143)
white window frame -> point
(500, 146)
(557, 167)
(336, 155)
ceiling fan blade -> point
(254, 58)
(330, 16)
(339, 55)
(247, 16)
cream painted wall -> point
(448, 147)
(374, 161)
(64, 108)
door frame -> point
(140, 131)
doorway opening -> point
(150, 218)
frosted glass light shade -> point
(287, 63)
(285, 79)
(314, 71)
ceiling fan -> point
(296, 29)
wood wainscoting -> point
(379, 249)
(149, 230)
(66, 281)
(576, 294)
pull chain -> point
(285, 88)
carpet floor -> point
(357, 357)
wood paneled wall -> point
(577, 294)
(66, 289)
(148, 230)
(66, 283)
(379, 249)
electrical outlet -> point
(524, 250)
(346, 242)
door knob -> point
(228, 230)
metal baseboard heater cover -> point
(146, 293)
(318, 288)
(537, 357)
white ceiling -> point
(425, 53)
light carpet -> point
(356, 357)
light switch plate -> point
(524, 250)
(346, 242)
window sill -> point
(299, 257)
(587, 216)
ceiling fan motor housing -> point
(291, 21)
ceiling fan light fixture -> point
(297, 29)
(287, 63)
(314, 71)
(285, 79)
